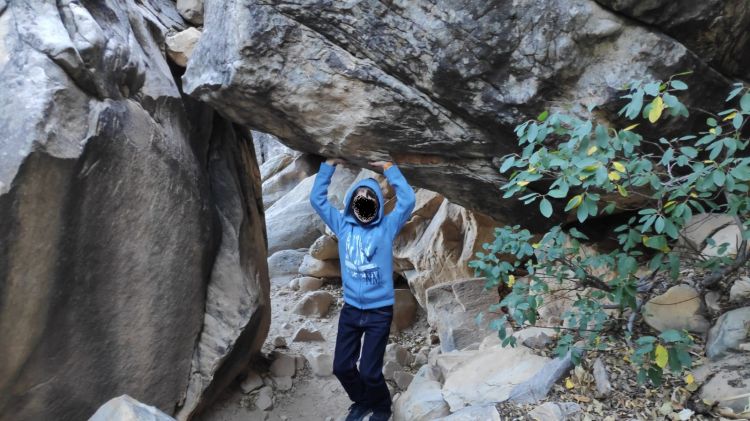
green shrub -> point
(597, 170)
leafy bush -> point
(598, 170)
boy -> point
(365, 249)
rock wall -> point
(127, 213)
(436, 85)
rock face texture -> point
(128, 212)
(437, 85)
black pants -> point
(366, 385)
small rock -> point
(180, 45)
(294, 284)
(126, 408)
(402, 379)
(309, 283)
(299, 362)
(321, 363)
(320, 268)
(307, 333)
(191, 10)
(325, 248)
(279, 342)
(389, 369)
(314, 303)
(283, 365)
(552, 411)
(678, 308)
(534, 337)
(283, 383)
(396, 352)
(740, 290)
(404, 310)
(728, 333)
(603, 387)
(420, 358)
(264, 399)
(287, 326)
(252, 381)
(725, 383)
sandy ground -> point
(311, 398)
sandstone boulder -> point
(325, 248)
(422, 400)
(191, 10)
(283, 365)
(129, 214)
(311, 266)
(730, 331)
(291, 221)
(180, 45)
(284, 180)
(444, 85)
(264, 400)
(308, 332)
(251, 382)
(309, 283)
(740, 290)
(678, 308)
(315, 303)
(498, 374)
(725, 382)
(453, 309)
(284, 265)
(404, 309)
(402, 379)
(125, 408)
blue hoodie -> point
(366, 251)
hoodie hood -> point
(374, 186)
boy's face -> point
(365, 205)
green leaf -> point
(545, 207)
(679, 85)
(745, 102)
(507, 164)
(736, 91)
(719, 177)
(689, 151)
(671, 335)
(543, 116)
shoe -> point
(357, 411)
(380, 415)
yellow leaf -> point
(522, 183)
(619, 166)
(590, 151)
(712, 130)
(535, 245)
(670, 203)
(661, 356)
(693, 194)
(689, 379)
(730, 116)
(583, 177)
(613, 176)
(622, 191)
(511, 280)
(708, 161)
(631, 127)
(531, 170)
(592, 167)
(576, 201)
(569, 383)
(657, 106)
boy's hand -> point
(384, 165)
(334, 161)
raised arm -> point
(405, 198)
(319, 195)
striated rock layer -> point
(129, 215)
(437, 85)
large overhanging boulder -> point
(133, 253)
(436, 85)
